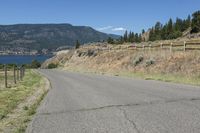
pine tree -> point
(126, 36)
(140, 38)
(170, 26)
(157, 31)
(130, 36)
(188, 21)
(143, 31)
(77, 44)
(136, 37)
(196, 22)
(110, 40)
(179, 24)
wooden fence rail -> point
(12, 75)
(184, 46)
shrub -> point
(35, 64)
(52, 66)
(1, 66)
(138, 60)
(91, 53)
(149, 62)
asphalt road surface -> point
(83, 103)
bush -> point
(138, 60)
(1, 66)
(35, 64)
(149, 62)
(9, 66)
(52, 66)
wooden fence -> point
(184, 46)
(11, 75)
(181, 46)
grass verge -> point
(174, 78)
(19, 103)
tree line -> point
(170, 30)
(127, 37)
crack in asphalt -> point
(121, 105)
(129, 120)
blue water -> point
(22, 59)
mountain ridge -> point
(48, 36)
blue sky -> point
(110, 16)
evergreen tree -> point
(140, 38)
(77, 44)
(130, 37)
(170, 26)
(196, 22)
(126, 36)
(133, 37)
(151, 35)
(188, 21)
(179, 24)
(110, 40)
(157, 32)
(121, 41)
(143, 31)
(136, 37)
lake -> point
(22, 59)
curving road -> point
(83, 103)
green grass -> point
(11, 97)
(29, 113)
(10, 79)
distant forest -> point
(170, 30)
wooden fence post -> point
(17, 73)
(171, 46)
(143, 47)
(6, 76)
(24, 71)
(161, 46)
(150, 47)
(184, 46)
(20, 73)
(14, 75)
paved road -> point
(81, 103)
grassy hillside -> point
(176, 66)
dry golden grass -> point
(155, 62)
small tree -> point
(77, 44)
(110, 40)
(52, 66)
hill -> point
(166, 64)
(47, 36)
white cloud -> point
(105, 28)
(119, 29)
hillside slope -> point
(51, 36)
(181, 66)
